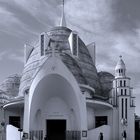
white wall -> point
(56, 108)
(94, 133)
(56, 103)
(115, 124)
(129, 128)
(90, 118)
(39, 91)
(12, 133)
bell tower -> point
(123, 102)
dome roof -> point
(106, 80)
(73, 66)
(120, 64)
(11, 85)
(82, 67)
(88, 68)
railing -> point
(38, 134)
(70, 135)
(73, 135)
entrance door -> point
(56, 129)
(15, 121)
(101, 120)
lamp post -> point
(124, 123)
(2, 124)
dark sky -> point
(113, 24)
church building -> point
(62, 96)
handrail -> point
(38, 134)
(70, 135)
(73, 135)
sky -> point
(114, 25)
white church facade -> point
(63, 97)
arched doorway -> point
(56, 101)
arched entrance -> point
(55, 108)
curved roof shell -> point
(106, 80)
(82, 67)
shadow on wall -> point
(100, 132)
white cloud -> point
(92, 15)
(93, 19)
(43, 11)
(10, 24)
(2, 54)
(16, 57)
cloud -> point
(114, 28)
(2, 54)
(112, 25)
(127, 15)
(102, 21)
(94, 16)
(16, 20)
(16, 56)
(41, 12)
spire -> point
(63, 20)
(120, 64)
(120, 68)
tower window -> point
(125, 91)
(120, 70)
(124, 83)
(42, 44)
(126, 108)
(132, 102)
(121, 91)
(121, 83)
(122, 108)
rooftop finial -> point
(120, 56)
(63, 20)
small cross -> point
(120, 56)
